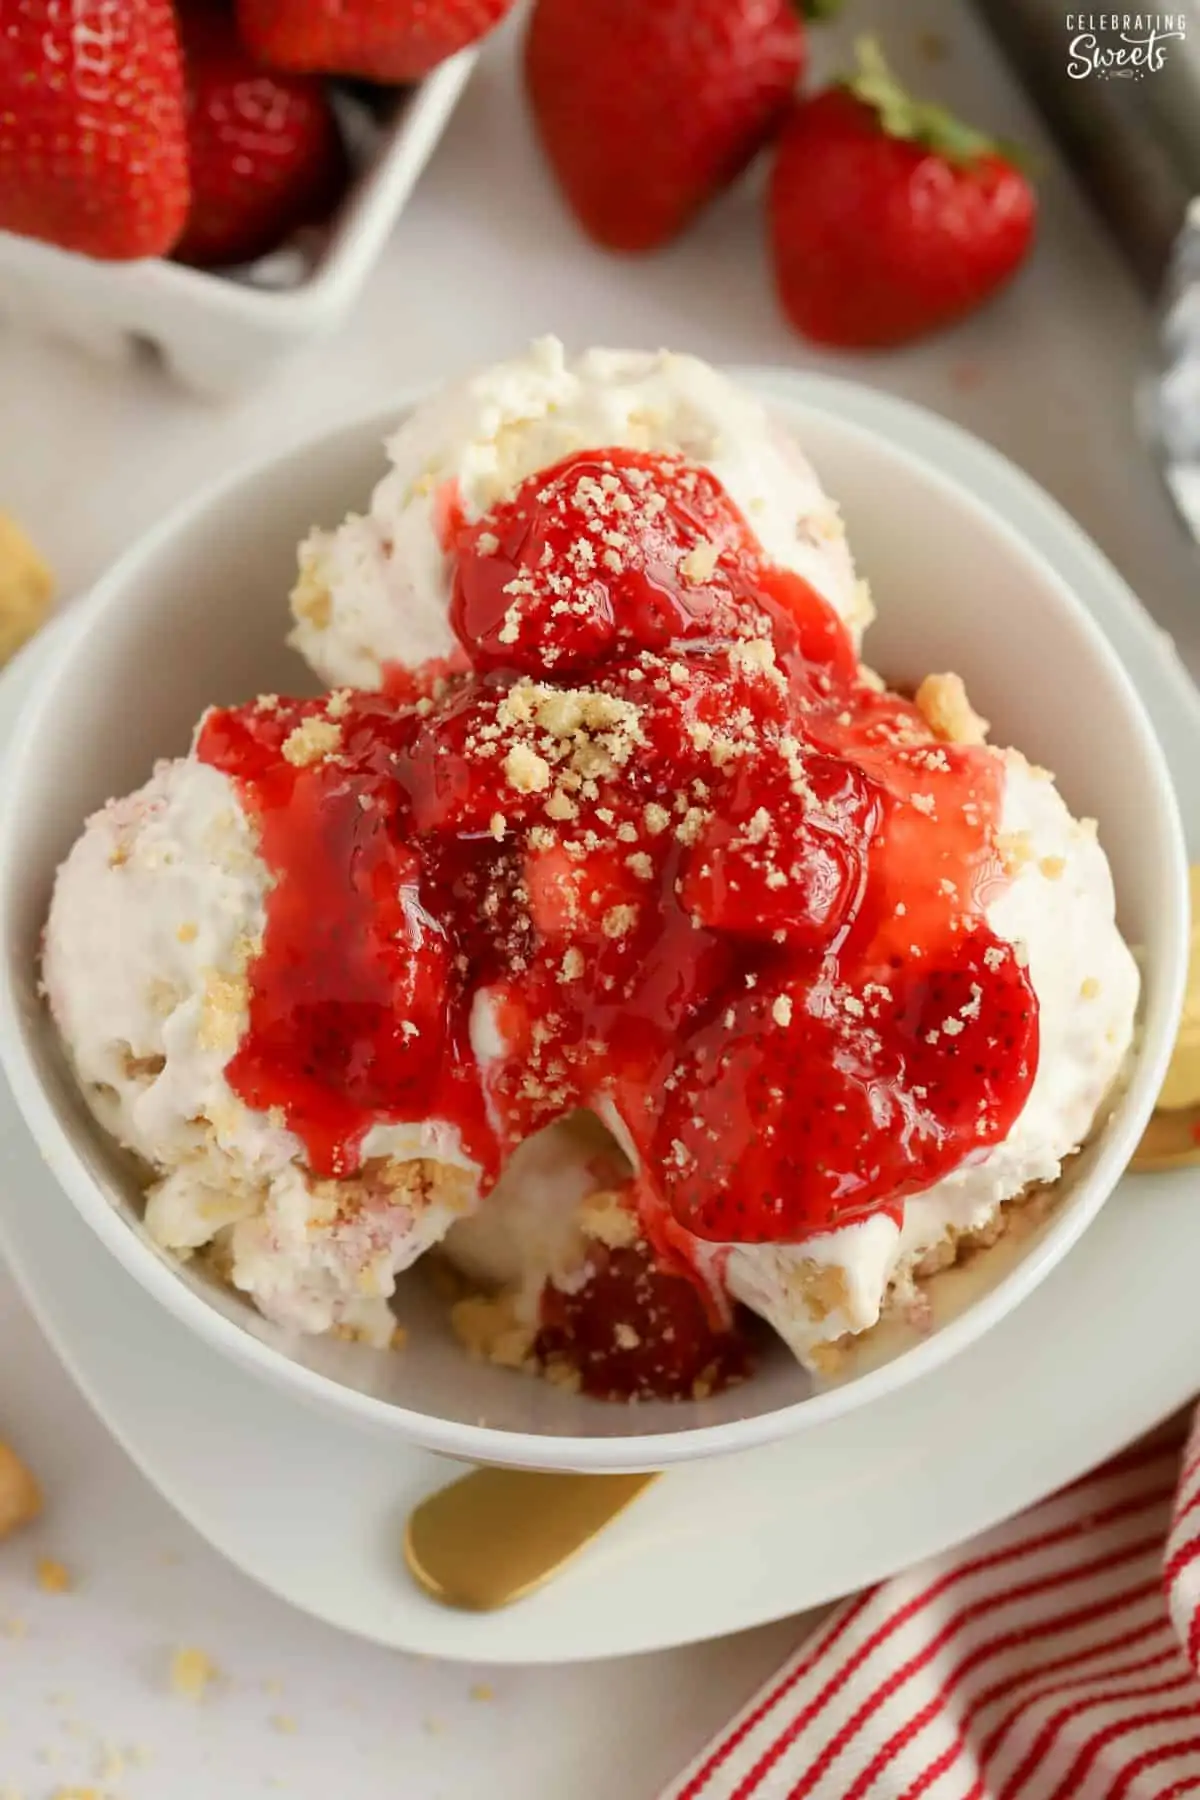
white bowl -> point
(197, 614)
(218, 333)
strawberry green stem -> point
(918, 121)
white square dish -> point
(218, 332)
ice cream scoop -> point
(374, 592)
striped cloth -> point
(1057, 1658)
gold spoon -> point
(497, 1534)
(1172, 1138)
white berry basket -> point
(220, 332)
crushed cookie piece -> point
(526, 771)
(223, 1007)
(311, 742)
(53, 1577)
(560, 806)
(26, 588)
(618, 920)
(488, 1328)
(699, 563)
(192, 1673)
(605, 1217)
(1016, 850)
(20, 1495)
(942, 702)
(311, 598)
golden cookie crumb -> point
(53, 1577)
(699, 562)
(311, 598)
(225, 1000)
(26, 588)
(311, 742)
(862, 606)
(604, 1217)
(488, 1327)
(192, 1673)
(20, 1496)
(526, 771)
(942, 702)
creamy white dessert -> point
(375, 591)
(156, 915)
(1059, 908)
(552, 835)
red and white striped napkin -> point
(1056, 1658)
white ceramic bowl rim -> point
(487, 1444)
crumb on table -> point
(20, 1496)
(26, 588)
(192, 1671)
(53, 1577)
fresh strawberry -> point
(646, 111)
(265, 150)
(888, 217)
(92, 146)
(381, 40)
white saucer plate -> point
(313, 1508)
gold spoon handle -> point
(499, 1533)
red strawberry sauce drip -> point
(666, 843)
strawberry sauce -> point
(662, 851)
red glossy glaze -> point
(634, 1328)
(694, 867)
